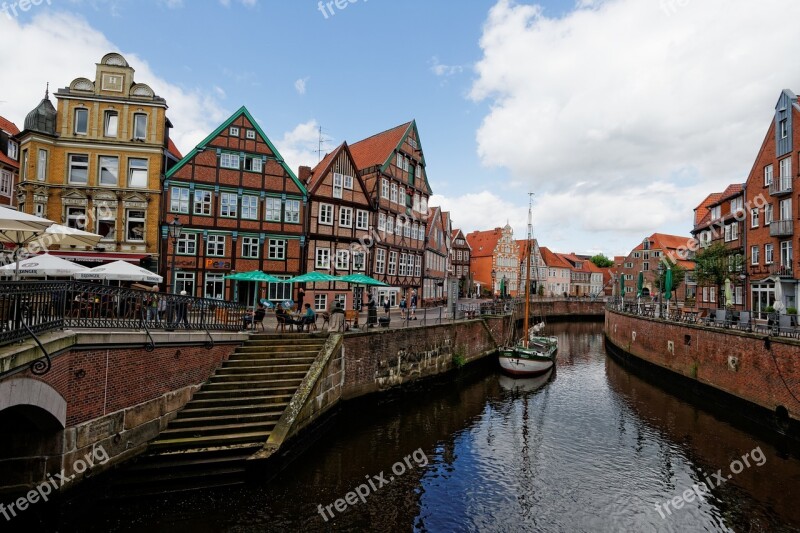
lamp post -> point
(660, 289)
(175, 230)
(494, 277)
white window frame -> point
(217, 281)
(754, 217)
(215, 245)
(202, 202)
(381, 221)
(230, 161)
(249, 208)
(769, 253)
(338, 180)
(80, 111)
(322, 259)
(187, 244)
(320, 302)
(250, 134)
(276, 249)
(228, 204)
(76, 217)
(392, 264)
(233, 131)
(108, 115)
(754, 254)
(73, 165)
(6, 179)
(291, 211)
(359, 261)
(273, 208)
(385, 188)
(108, 163)
(390, 224)
(138, 167)
(251, 247)
(254, 164)
(13, 150)
(325, 216)
(768, 214)
(393, 193)
(380, 261)
(129, 219)
(362, 219)
(345, 217)
(179, 200)
(348, 182)
(41, 164)
(785, 167)
(768, 175)
(342, 260)
(140, 126)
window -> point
(786, 254)
(402, 265)
(277, 249)
(273, 209)
(411, 174)
(392, 269)
(390, 225)
(108, 171)
(250, 246)
(754, 217)
(326, 214)
(767, 175)
(785, 209)
(784, 126)
(393, 193)
(399, 160)
(110, 123)
(716, 212)
(380, 261)
(768, 214)
(228, 204)
(137, 172)
(398, 226)
(38, 209)
(278, 292)
(76, 217)
(78, 168)
(202, 202)
(234, 131)
(421, 234)
(41, 167)
(415, 235)
(727, 233)
(215, 286)
(134, 225)
(184, 281)
(5, 183)
(418, 266)
(381, 221)
(292, 211)
(215, 245)
(737, 204)
(346, 217)
(785, 166)
(407, 228)
(645, 266)
(362, 219)
(253, 164)
(359, 261)
(405, 164)
(320, 302)
(81, 121)
(712, 295)
(139, 126)
(249, 207)
(340, 300)
(754, 255)
(250, 134)
(348, 182)
(323, 258)
(401, 195)
(228, 160)
(187, 244)
(338, 180)
(384, 188)
(769, 254)
(13, 150)
(342, 259)
(734, 231)
(737, 295)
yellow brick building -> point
(96, 162)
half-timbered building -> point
(242, 209)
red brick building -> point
(460, 253)
(242, 209)
(495, 260)
(392, 167)
(437, 254)
(772, 221)
(339, 225)
(9, 162)
(645, 258)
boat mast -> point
(528, 253)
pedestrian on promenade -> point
(413, 304)
(386, 306)
(403, 308)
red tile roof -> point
(8, 126)
(662, 241)
(171, 148)
(318, 171)
(553, 260)
(701, 210)
(731, 191)
(8, 161)
(483, 243)
(376, 150)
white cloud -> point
(172, 4)
(300, 85)
(444, 70)
(70, 47)
(246, 3)
(482, 211)
(649, 109)
(299, 146)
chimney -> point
(304, 173)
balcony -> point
(784, 271)
(781, 186)
(781, 228)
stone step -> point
(224, 377)
(263, 384)
(242, 393)
(194, 419)
(228, 370)
(284, 342)
(200, 431)
(204, 442)
(219, 399)
(255, 361)
(280, 349)
(193, 411)
(191, 458)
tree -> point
(602, 261)
(715, 264)
(678, 275)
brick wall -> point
(737, 363)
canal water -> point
(590, 447)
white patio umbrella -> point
(66, 236)
(19, 228)
(779, 306)
(42, 266)
(119, 271)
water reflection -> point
(589, 447)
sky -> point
(620, 115)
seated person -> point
(308, 318)
(252, 318)
(337, 317)
(283, 317)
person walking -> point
(413, 304)
(372, 311)
(403, 308)
(386, 306)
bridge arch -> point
(34, 400)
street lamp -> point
(175, 230)
(494, 276)
(660, 289)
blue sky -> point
(620, 114)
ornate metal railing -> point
(774, 324)
(43, 306)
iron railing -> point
(49, 305)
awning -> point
(95, 257)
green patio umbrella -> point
(668, 284)
(312, 277)
(254, 276)
(640, 285)
(622, 286)
(361, 279)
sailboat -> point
(533, 354)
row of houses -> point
(101, 159)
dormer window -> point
(716, 212)
(645, 244)
(13, 150)
(784, 127)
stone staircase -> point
(228, 419)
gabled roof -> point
(553, 260)
(573, 260)
(456, 232)
(7, 125)
(171, 148)
(322, 167)
(446, 220)
(701, 210)
(242, 111)
(434, 213)
(483, 243)
(663, 241)
(378, 149)
(730, 191)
